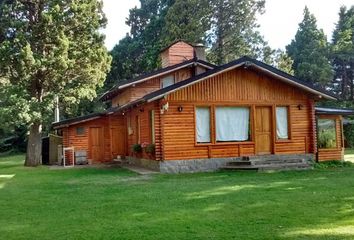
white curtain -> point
(282, 122)
(203, 124)
(232, 123)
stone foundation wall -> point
(204, 165)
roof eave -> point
(311, 90)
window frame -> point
(165, 77)
(210, 125)
(289, 124)
(338, 146)
(213, 141)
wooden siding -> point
(333, 153)
(177, 53)
(142, 113)
(82, 142)
(242, 88)
(141, 89)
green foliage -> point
(233, 29)
(278, 59)
(327, 139)
(187, 20)
(333, 164)
(343, 54)
(349, 135)
(150, 149)
(50, 48)
(137, 148)
(139, 51)
(310, 52)
(327, 133)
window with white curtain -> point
(232, 124)
(282, 122)
(203, 124)
(168, 81)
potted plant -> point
(137, 150)
(150, 150)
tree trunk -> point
(34, 146)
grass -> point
(39, 203)
(349, 151)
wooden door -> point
(118, 141)
(263, 130)
(96, 141)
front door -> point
(118, 141)
(263, 130)
(96, 141)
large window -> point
(282, 123)
(203, 124)
(327, 133)
(232, 124)
(168, 81)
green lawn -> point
(39, 203)
(349, 151)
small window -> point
(203, 124)
(282, 123)
(168, 81)
(232, 124)
(327, 133)
(80, 131)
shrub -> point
(333, 164)
(137, 148)
(150, 148)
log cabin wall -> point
(141, 89)
(82, 141)
(238, 87)
(336, 153)
(139, 128)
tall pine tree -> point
(49, 48)
(310, 52)
(343, 54)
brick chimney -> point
(177, 52)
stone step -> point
(239, 163)
(276, 161)
(245, 167)
(270, 167)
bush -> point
(349, 135)
(333, 164)
(327, 139)
(150, 148)
(137, 148)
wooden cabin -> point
(191, 115)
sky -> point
(278, 24)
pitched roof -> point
(334, 111)
(93, 116)
(248, 63)
(245, 62)
(144, 77)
